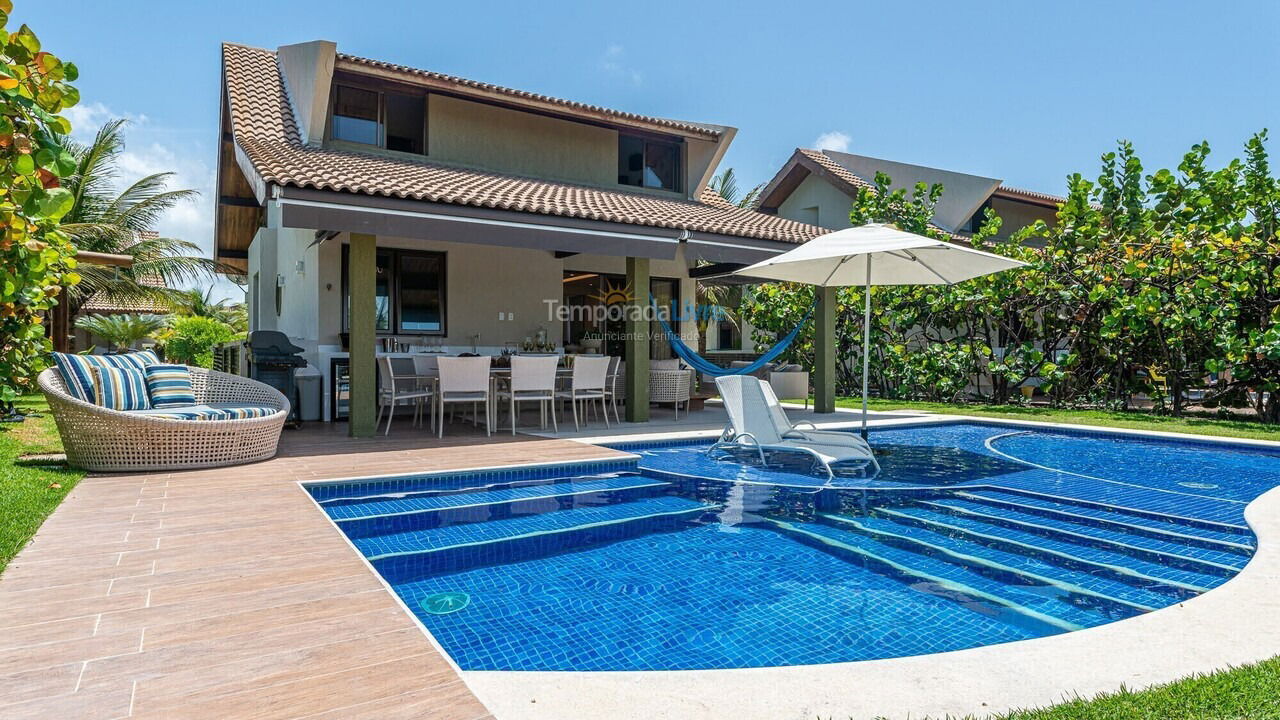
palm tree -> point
(121, 331)
(726, 186)
(108, 220)
(715, 302)
(198, 304)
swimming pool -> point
(972, 534)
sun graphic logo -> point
(612, 294)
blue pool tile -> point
(973, 534)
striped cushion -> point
(215, 412)
(170, 386)
(137, 360)
(77, 370)
(122, 388)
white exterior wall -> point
(813, 192)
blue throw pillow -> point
(77, 370)
(122, 388)
(170, 386)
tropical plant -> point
(718, 302)
(201, 304)
(1174, 273)
(726, 186)
(121, 331)
(104, 218)
(191, 340)
(36, 259)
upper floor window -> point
(394, 121)
(645, 162)
(979, 218)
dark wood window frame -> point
(381, 88)
(646, 139)
(393, 290)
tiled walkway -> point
(227, 594)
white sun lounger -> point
(758, 423)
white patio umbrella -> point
(877, 254)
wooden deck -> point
(227, 594)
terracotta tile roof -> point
(806, 161)
(714, 199)
(102, 304)
(839, 172)
(1030, 195)
(525, 96)
(264, 128)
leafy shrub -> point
(1172, 273)
(190, 340)
(36, 263)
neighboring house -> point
(99, 304)
(817, 187)
(470, 211)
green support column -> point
(824, 327)
(637, 345)
(362, 271)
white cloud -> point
(834, 140)
(613, 63)
(86, 118)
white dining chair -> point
(613, 385)
(464, 380)
(396, 388)
(532, 379)
(425, 366)
(586, 384)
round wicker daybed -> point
(100, 439)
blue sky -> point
(1023, 91)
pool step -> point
(432, 486)
(1127, 598)
(1168, 528)
(420, 513)
(1014, 599)
(1156, 505)
(1058, 550)
(1160, 551)
(455, 547)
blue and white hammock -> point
(706, 367)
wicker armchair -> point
(100, 439)
(671, 386)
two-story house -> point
(366, 200)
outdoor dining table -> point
(496, 376)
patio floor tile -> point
(228, 594)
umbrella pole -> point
(866, 343)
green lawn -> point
(29, 492)
(1251, 691)
(1136, 420)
